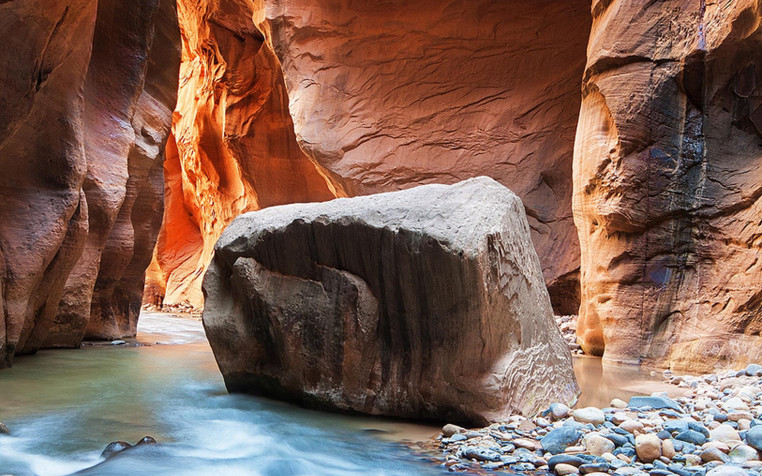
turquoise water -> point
(63, 407)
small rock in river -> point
(4, 430)
(115, 447)
(118, 342)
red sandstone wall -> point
(381, 96)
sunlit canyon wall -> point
(293, 101)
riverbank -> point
(714, 428)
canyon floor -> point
(64, 406)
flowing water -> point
(64, 406)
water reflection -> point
(600, 383)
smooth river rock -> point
(425, 303)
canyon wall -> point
(667, 182)
(234, 146)
(315, 99)
(87, 89)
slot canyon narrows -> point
(505, 217)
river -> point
(64, 406)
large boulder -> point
(424, 303)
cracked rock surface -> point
(424, 303)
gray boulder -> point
(423, 303)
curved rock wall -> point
(235, 148)
(667, 183)
(381, 96)
(81, 136)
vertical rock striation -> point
(667, 183)
(423, 303)
(82, 128)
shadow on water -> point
(63, 407)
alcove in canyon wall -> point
(294, 101)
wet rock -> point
(754, 437)
(146, 440)
(556, 441)
(363, 278)
(479, 453)
(115, 447)
(565, 459)
(637, 402)
(648, 447)
(4, 429)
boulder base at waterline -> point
(424, 303)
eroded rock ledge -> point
(425, 303)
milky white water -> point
(63, 407)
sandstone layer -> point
(667, 183)
(381, 96)
(424, 303)
(87, 90)
(234, 146)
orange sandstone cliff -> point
(294, 101)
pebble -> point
(450, 429)
(632, 426)
(592, 415)
(562, 469)
(713, 454)
(714, 429)
(726, 470)
(559, 411)
(724, 433)
(743, 453)
(647, 447)
(557, 440)
(754, 437)
(597, 445)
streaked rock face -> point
(234, 148)
(667, 183)
(381, 96)
(424, 303)
(81, 141)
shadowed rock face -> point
(381, 96)
(426, 303)
(87, 96)
(667, 183)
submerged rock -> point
(424, 303)
(115, 447)
(4, 429)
